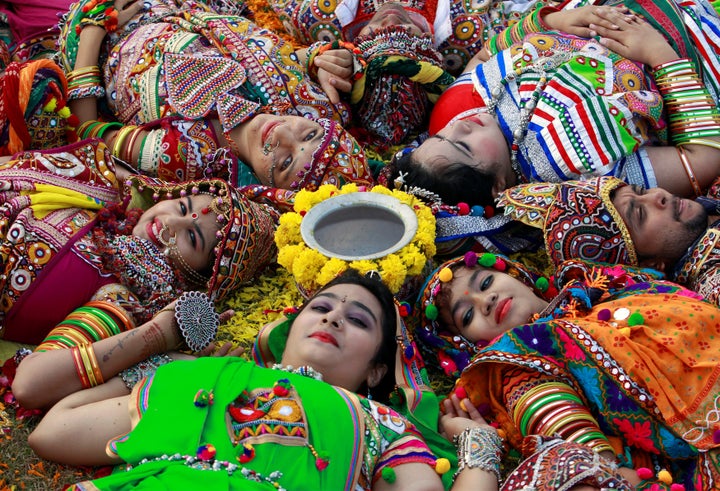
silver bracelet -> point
(131, 376)
(481, 448)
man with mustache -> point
(606, 220)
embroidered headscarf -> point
(404, 75)
(338, 160)
(578, 219)
(451, 350)
(245, 243)
(33, 110)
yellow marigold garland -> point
(312, 269)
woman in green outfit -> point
(227, 423)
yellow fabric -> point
(47, 198)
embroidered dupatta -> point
(650, 381)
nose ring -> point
(267, 148)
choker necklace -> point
(305, 370)
(540, 67)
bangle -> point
(479, 447)
(120, 137)
(130, 144)
(312, 51)
(96, 91)
(87, 367)
(704, 142)
(119, 313)
(689, 171)
(79, 367)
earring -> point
(369, 395)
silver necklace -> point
(540, 66)
(305, 370)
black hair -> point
(456, 183)
(388, 346)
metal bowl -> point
(358, 226)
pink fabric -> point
(67, 285)
(31, 18)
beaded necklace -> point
(540, 67)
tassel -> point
(320, 462)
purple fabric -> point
(67, 285)
(31, 18)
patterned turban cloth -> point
(338, 160)
(33, 110)
(246, 240)
(404, 75)
(451, 350)
(578, 219)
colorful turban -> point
(246, 244)
(578, 219)
(404, 75)
(338, 160)
(33, 110)
(453, 351)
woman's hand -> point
(636, 40)
(226, 349)
(578, 21)
(127, 9)
(335, 69)
(458, 416)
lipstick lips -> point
(267, 129)
(153, 229)
(502, 309)
(325, 338)
(475, 118)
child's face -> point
(484, 303)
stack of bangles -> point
(86, 365)
(124, 142)
(96, 129)
(321, 47)
(85, 82)
(693, 114)
(529, 24)
(92, 322)
(554, 408)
